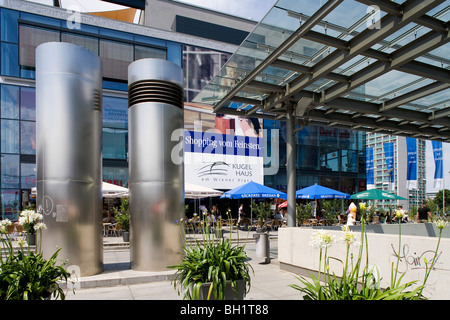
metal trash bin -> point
(262, 246)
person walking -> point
(423, 213)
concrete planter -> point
(126, 236)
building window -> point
(116, 175)
(9, 59)
(349, 160)
(10, 171)
(115, 57)
(90, 43)
(28, 175)
(29, 39)
(141, 52)
(115, 142)
(9, 136)
(10, 204)
(28, 104)
(27, 137)
(10, 102)
(115, 128)
(199, 67)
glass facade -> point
(21, 33)
(199, 67)
(330, 157)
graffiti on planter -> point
(414, 260)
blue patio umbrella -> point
(316, 191)
(253, 190)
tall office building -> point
(395, 180)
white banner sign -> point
(222, 161)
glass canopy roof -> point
(370, 65)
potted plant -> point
(29, 219)
(27, 275)
(262, 211)
(358, 282)
(303, 213)
(212, 269)
(330, 207)
(123, 218)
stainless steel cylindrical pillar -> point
(68, 155)
(156, 179)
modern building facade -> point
(399, 184)
(329, 156)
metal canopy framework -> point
(368, 65)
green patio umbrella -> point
(375, 194)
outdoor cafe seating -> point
(111, 229)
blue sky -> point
(255, 10)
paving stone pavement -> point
(119, 282)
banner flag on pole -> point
(370, 184)
(389, 156)
(411, 173)
(438, 163)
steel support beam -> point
(364, 107)
(412, 50)
(386, 124)
(293, 38)
(415, 95)
(290, 166)
(440, 114)
(412, 9)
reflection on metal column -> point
(68, 156)
(156, 180)
(290, 166)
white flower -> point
(23, 220)
(4, 225)
(40, 226)
(22, 242)
(399, 214)
(349, 238)
(441, 224)
(28, 218)
(321, 239)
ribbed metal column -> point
(68, 155)
(156, 180)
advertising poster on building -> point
(369, 169)
(389, 157)
(438, 171)
(411, 172)
(226, 156)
